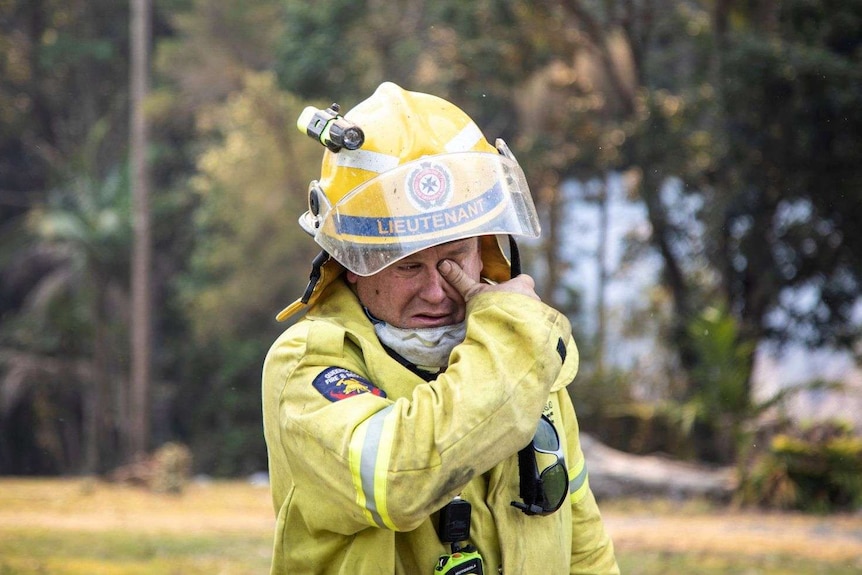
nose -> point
(434, 287)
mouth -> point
(433, 320)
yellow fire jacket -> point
(363, 453)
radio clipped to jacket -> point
(454, 527)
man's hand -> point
(468, 288)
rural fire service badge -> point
(337, 383)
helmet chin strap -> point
(314, 277)
(514, 257)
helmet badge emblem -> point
(429, 186)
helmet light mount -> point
(318, 207)
(330, 128)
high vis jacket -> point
(363, 453)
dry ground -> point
(223, 508)
(86, 504)
(697, 528)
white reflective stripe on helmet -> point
(466, 139)
(366, 160)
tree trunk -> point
(602, 275)
(552, 245)
(138, 433)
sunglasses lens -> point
(542, 493)
(555, 481)
(546, 437)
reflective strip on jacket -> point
(357, 483)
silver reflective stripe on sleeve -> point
(578, 484)
(369, 462)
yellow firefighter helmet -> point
(404, 171)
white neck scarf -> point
(423, 347)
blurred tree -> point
(318, 49)
(252, 184)
(215, 297)
(45, 48)
(791, 179)
(50, 50)
(761, 124)
(67, 335)
(722, 403)
(253, 260)
(760, 119)
(213, 46)
(63, 135)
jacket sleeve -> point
(592, 548)
(369, 460)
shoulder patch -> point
(337, 383)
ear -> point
(351, 277)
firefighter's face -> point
(411, 293)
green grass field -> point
(78, 527)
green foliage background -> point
(751, 111)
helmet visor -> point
(424, 203)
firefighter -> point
(416, 414)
